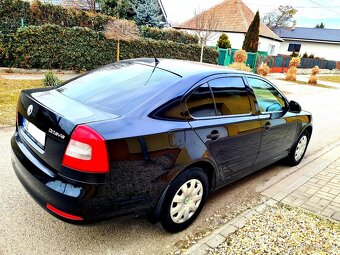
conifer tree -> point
(148, 13)
(251, 40)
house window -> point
(271, 49)
(294, 47)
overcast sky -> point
(310, 12)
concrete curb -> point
(8, 70)
(2, 127)
(322, 71)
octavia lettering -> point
(50, 130)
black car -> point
(152, 136)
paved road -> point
(25, 228)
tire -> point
(184, 200)
(297, 152)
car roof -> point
(185, 68)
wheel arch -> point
(207, 166)
(309, 128)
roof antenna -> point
(156, 63)
(153, 54)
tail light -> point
(86, 151)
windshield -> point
(120, 87)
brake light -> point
(86, 151)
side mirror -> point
(294, 107)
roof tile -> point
(232, 16)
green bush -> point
(51, 80)
(55, 47)
(294, 54)
(223, 41)
(168, 35)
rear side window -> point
(230, 95)
(200, 103)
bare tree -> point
(121, 29)
(205, 24)
(283, 17)
(91, 4)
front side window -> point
(268, 98)
(230, 95)
(200, 103)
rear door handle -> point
(214, 135)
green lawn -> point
(330, 78)
(9, 93)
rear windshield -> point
(120, 87)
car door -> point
(225, 123)
(279, 126)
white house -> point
(233, 17)
(321, 42)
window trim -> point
(187, 96)
(285, 108)
(188, 93)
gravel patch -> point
(219, 218)
(283, 230)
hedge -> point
(168, 35)
(78, 48)
(37, 13)
(12, 11)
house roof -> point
(310, 34)
(231, 16)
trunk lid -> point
(46, 119)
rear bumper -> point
(45, 186)
(87, 202)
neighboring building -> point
(233, 18)
(321, 42)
